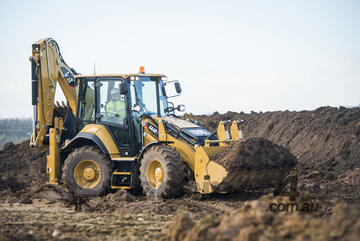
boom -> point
(49, 68)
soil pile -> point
(256, 222)
(326, 142)
(325, 135)
(254, 163)
(21, 167)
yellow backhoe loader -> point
(120, 131)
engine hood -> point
(179, 122)
(194, 131)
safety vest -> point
(116, 107)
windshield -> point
(143, 94)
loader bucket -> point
(264, 166)
(211, 176)
(208, 174)
(232, 163)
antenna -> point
(94, 69)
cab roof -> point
(120, 75)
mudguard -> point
(98, 134)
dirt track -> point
(42, 221)
(116, 216)
(325, 141)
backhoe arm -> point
(49, 68)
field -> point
(325, 141)
(14, 130)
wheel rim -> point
(155, 174)
(87, 174)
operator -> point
(115, 108)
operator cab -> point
(119, 101)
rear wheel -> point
(87, 172)
(162, 172)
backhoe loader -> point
(120, 131)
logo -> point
(152, 129)
(293, 193)
(72, 82)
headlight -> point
(180, 108)
(134, 77)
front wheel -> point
(162, 172)
(87, 172)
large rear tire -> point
(87, 172)
(162, 172)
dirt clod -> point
(181, 224)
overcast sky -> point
(228, 55)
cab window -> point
(112, 103)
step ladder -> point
(122, 174)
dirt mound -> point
(326, 135)
(11, 183)
(51, 193)
(9, 145)
(255, 222)
(254, 163)
(255, 154)
(325, 141)
(21, 167)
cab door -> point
(113, 112)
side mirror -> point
(123, 87)
(171, 89)
(178, 87)
(181, 108)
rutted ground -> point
(116, 216)
(42, 221)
